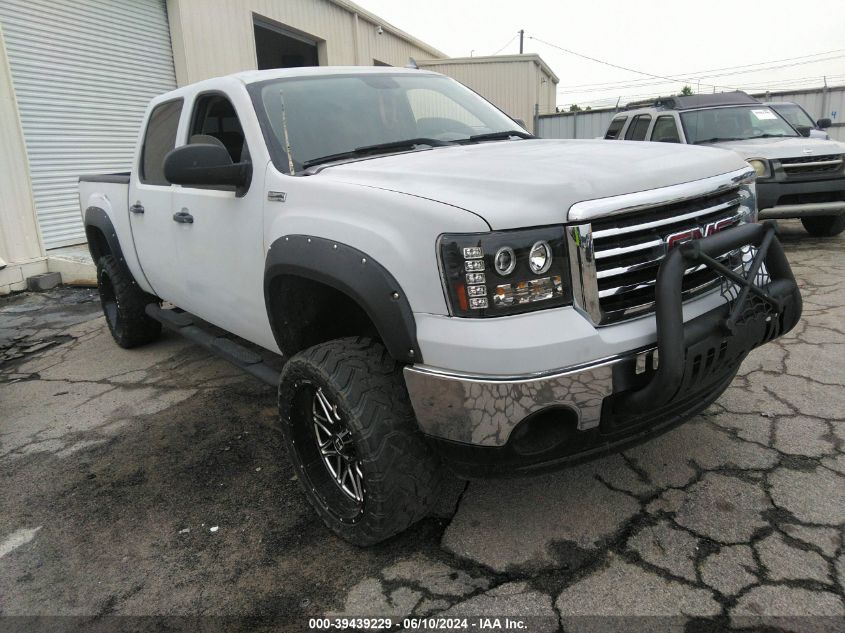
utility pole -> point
(521, 35)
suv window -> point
(638, 128)
(615, 127)
(665, 130)
(216, 122)
(159, 139)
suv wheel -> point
(123, 305)
(824, 225)
(353, 440)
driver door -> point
(219, 231)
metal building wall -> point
(20, 244)
(83, 73)
(216, 37)
(514, 83)
(590, 124)
(820, 103)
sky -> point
(777, 44)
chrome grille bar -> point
(597, 235)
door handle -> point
(137, 208)
(183, 217)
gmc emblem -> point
(697, 233)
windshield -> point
(331, 115)
(733, 124)
(794, 115)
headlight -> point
(748, 198)
(761, 167)
(540, 257)
(505, 272)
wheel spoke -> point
(336, 447)
(356, 482)
(319, 426)
(328, 410)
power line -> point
(510, 41)
(702, 73)
(689, 80)
(630, 70)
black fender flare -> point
(355, 274)
(98, 218)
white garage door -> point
(83, 72)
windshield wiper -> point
(717, 139)
(495, 136)
(772, 136)
(378, 148)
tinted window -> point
(322, 116)
(735, 123)
(665, 130)
(794, 115)
(638, 128)
(615, 127)
(159, 139)
(216, 122)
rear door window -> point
(159, 139)
(638, 128)
(665, 130)
(615, 127)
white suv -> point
(797, 177)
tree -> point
(686, 91)
(575, 108)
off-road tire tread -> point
(403, 475)
(138, 328)
(824, 225)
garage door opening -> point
(277, 47)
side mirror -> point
(208, 165)
(823, 124)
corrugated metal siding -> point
(511, 86)
(215, 37)
(820, 104)
(83, 71)
(575, 125)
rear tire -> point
(824, 225)
(349, 428)
(123, 305)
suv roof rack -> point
(679, 102)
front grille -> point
(629, 247)
(799, 166)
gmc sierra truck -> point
(429, 285)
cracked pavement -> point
(115, 466)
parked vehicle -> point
(797, 177)
(801, 120)
(445, 290)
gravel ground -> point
(153, 482)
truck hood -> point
(791, 147)
(533, 182)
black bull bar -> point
(761, 304)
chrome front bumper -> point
(483, 410)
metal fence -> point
(819, 102)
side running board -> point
(204, 335)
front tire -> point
(824, 225)
(351, 434)
(124, 305)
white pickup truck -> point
(428, 284)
